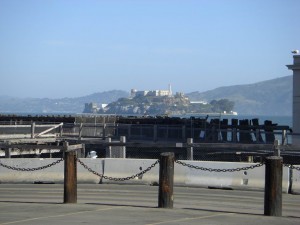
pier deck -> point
(131, 204)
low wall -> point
(120, 168)
(54, 174)
(295, 180)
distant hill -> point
(63, 105)
(271, 97)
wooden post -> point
(70, 181)
(104, 131)
(108, 153)
(8, 153)
(190, 149)
(61, 130)
(129, 132)
(82, 151)
(234, 123)
(183, 132)
(273, 186)
(80, 131)
(32, 129)
(154, 132)
(123, 148)
(166, 180)
(276, 148)
(234, 135)
(283, 141)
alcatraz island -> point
(160, 102)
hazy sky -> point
(60, 48)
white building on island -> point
(156, 93)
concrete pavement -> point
(34, 204)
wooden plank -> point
(73, 147)
(48, 130)
(234, 146)
(30, 146)
(27, 126)
(21, 136)
(34, 140)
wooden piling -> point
(273, 186)
(190, 149)
(108, 150)
(70, 179)
(166, 180)
(32, 129)
(8, 153)
(123, 148)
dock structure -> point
(141, 137)
(296, 97)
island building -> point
(296, 98)
(93, 107)
(155, 93)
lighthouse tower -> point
(296, 98)
(170, 90)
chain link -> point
(219, 170)
(118, 179)
(31, 169)
(292, 167)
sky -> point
(73, 48)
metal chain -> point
(292, 167)
(118, 179)
(219, 170)
(31, 169)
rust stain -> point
(165, 187)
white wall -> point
(120, 168)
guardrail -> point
(273, 177)
(30, 131)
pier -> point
(112, 136)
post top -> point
(274, 158)
(296, 65)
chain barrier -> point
(31, 169)
(219, 170)
(292, 167)
(118, 179)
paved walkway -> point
(137, 204)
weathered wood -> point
(123, 148)
(284, 137)
(224, 122)
(273, 186)
(29, 147)
(190, 149)
(8, 153)
(269, 131)
(108, 149)
(154, 132)
(166, 180)
(73, 147)
(80, 132)
(70, 179)
(276, 148)
(32, 129)
(234, 123)
(258, 137)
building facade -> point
(296, 98)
